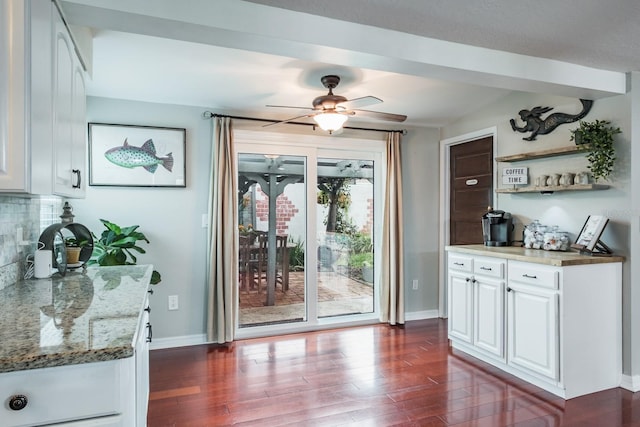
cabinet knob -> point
(78, 183)
(509, 289)
(148, 309)
(150, 291)
(18, 402)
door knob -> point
(18, 402)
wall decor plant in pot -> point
(116, 246)
(597, 138)
(73, 248)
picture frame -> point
(588, 239)
(136, 156)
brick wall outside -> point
(285, 210)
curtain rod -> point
(210, 115)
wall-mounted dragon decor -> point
(538, 126)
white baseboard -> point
(420, 315)
(183, 341)
(187, 340)
(630, 382)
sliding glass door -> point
(307, 231)
(272, 235)
(345, 213)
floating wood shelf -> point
(553, 152)
(553, 188)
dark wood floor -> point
(365, 376)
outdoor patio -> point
(337, 295)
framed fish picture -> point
(136, 156)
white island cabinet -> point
(75, 350)
(42, 102)
(553, 319)
(476, 302)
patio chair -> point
(282, 261)
(251, 261)
(260, 256)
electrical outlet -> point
(173, 302)
(20, 237)
(415, 284)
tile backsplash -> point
(33, 215)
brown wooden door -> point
(471, 189)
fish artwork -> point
(129, 156)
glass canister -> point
(555, 240)
(533, 235)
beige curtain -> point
(222, 272)
(392, 276)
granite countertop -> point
(78, 318)
(538, 256)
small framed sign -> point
(589, 237)
(512, 176)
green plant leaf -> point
(155, 277)
(116, 246)
(599, 136)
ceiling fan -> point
(331, 111)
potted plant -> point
(367, 272)
(597, 138)
(73, 249)
(116, 246)
(247, 230)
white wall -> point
(171, 217)
(569, 210)
(421, 180)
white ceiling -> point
(235, 57)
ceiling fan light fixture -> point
(330, 121)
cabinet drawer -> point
(460, 263)
(533, 274)
(489, 267)
(64, 393)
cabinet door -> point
(533, 329)
(489, 315)
(13, 80)
(79, 129)
(142, 368)
(460, 307)
(63, 58)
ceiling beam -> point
(248, 26)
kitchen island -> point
(76, 347)
(551, 318)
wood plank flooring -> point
(364, 376)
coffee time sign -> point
(512, 176)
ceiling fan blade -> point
(365, 101)
(288, 120)
(381, 116)
(289, 106)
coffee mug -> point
(582, 178)
(567, 178)
(541, 181)
(554, 179)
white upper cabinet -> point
(68, 114)
(42, 102)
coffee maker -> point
(497, 228)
